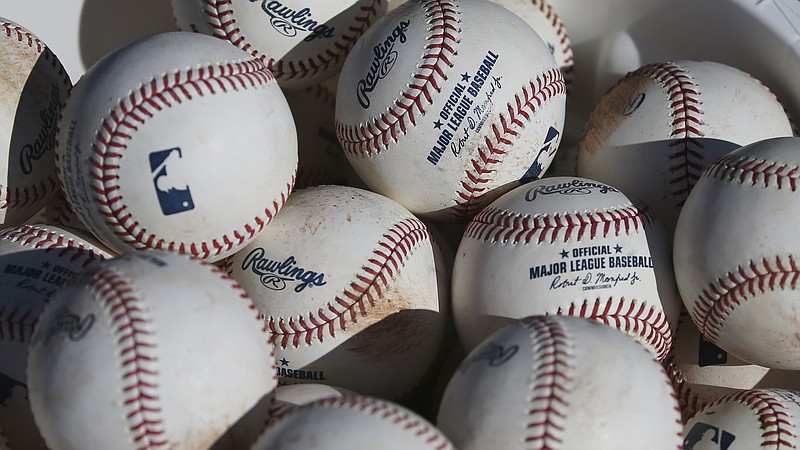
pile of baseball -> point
(339, 225)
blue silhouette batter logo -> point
(169, 180)
(703, 436)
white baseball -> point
(149, 350)
(442, 105)
(544, 19)
(348, 285)
(352, 422)
(178, 141)
(32, 92)
(748, 419)
(660, 126)
(735, 255)
(566, 245)
(703, 372)
(547, 382)
(34, 261)
(302, 42)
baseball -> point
(352, 422)
(547, 382)
(543, 18)
(753, 418)
(347, 282)
(442, 106)
(158, 137)
(32, 92)
(659, 127)
(148, 350)
(35, 260)
(571, 246)
(301, 42)
(734, 255)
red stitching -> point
(17, 324)
(402, 418)
(142, 104)
(568, 71)
(521, 111)
(686, 146)
(133, 331)
(551, 381)
(494, 224)
(22, 35)
(22, 196)
(735, 168)
(688, 401)
(389, 256)
(373, 136)
(38, 237)
(220, 18)
(632, 318)
(772, 416)
(720, 298)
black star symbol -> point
(437, 124)
(618, 248)
(284, 362)
(46, 265)
(564, 254)
(465, 76)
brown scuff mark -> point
(612, 109)
(395, 325)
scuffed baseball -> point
(547, 382)
(347, 282)
(33, 88)
(735, 253)
(152, 349)
(443, 105)
(654, 132)
(194, 151)
(302, 42)
(571, 246)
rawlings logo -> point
(382, 63)
(289, 22)
(47, 134)
(66, 324)
(274, 274)
(495, 355)
(574, 187)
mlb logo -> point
(703, 436)
(169, 180)
(548, 148)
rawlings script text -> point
(382, 63)
(289, 22)
(47, 133)
(574, 187)
(274, 274)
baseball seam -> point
(756, 172)
(480, 170)
(773, 418)
(21, 196)
(17, 324)
(568, 69)
(686, 149)
(371, 137)
(720, 298)
(550, 382)
(132, 112)
(132, 329)
(220, 18)
(688, 401)
(495, 224)
(643, 321)
(390, 254)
